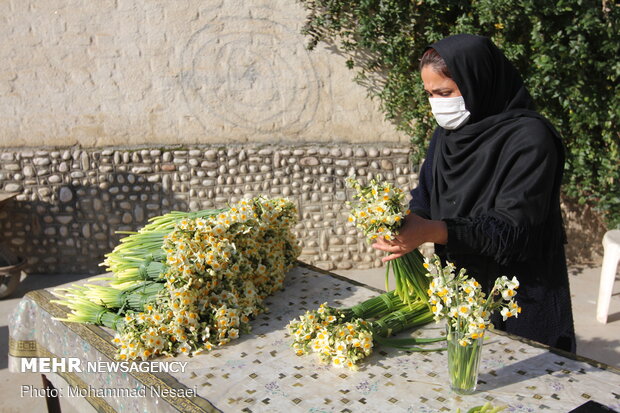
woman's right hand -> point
(414, 232)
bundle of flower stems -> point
(411, 283)
(140, 255)
(136, 262)
(187, 282)
(343, 337)
(94, 303)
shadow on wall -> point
(71, 227)
(374, 79)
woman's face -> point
(437, 85)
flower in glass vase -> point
(459, 300)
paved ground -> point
(594, 340)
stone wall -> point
(72, 201)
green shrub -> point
(566, 50)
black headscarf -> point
(472, 164)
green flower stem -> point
(103, 297)
(84, 311)
(414, 315)
(393, 316)
(374, 307)
(415, 267)
(463, 362)
(410, 344)
(410, 277)
(400, 287)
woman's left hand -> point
(414, 232)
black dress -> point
(495, 182)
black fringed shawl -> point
(496, 182)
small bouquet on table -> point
(459, 300)
(343, 337)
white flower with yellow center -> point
(184, 348)
(464, 309)
(464, 341)
(508, 294)
(339, 361)
(437, 308)
(340, 347)
(507, 313)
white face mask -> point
(450, 113)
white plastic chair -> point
(611, 257)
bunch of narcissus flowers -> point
(333, 337)
(461, 301)
(343, 337)
(378, 208)
(187, 282)
(379, 211)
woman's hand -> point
(414, 232)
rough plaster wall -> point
(119, 72)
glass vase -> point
(463, 362)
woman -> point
(488, 195)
